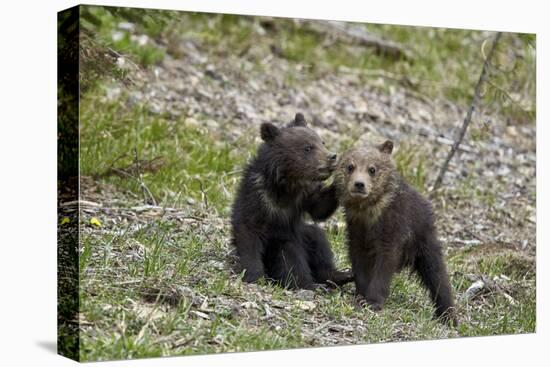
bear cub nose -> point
(359, 185)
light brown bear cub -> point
(389, 226)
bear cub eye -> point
(309, 148)
(351, 167)
(372, 170)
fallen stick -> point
(363, 37)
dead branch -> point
(468, 119)
(361, 36)
(403, 80)
(203, 193)
(145, 165)
(147, 195)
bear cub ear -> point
(299, 120)
(268, 132)
(386, 147)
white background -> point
(28, 182)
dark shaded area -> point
(67, 165)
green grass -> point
(152, 285)
(104, 22)
(120, 266)
(196, 165)
(410, 163)
(126, 326)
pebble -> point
(126, 26)
(473, 290)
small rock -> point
(511, 130)
(472, 242)
(148, 312)
(202, 315)
(157, 72)
(212, 73)
(249, 304)
(190, 121)
(193, 80)
(424, 115)
(121, 62)
(305, 294)
(509, 298)
(117, 36)
(211, 124)
(305, 305)
(253, 85)
(135, 98)
(268, 312)
(503, 171)
(141, 40)
(155, 108)
(280, 304)
(216, 264)
(185, 292)
(113, 93)
(259, 29)
(202, 93)
(126, 26)
(218, 339)
(174, 112)
(475, 289)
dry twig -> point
(147, 195)
(468, 119)
(362, 36)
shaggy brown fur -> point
(389, 226)
(281, 185)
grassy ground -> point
(157, 285)
(155, 261)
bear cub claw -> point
(361, 302)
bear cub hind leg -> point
(321, 259)
(432, 271)
(287, 265)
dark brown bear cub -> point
(389, 226)
(281, 184)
